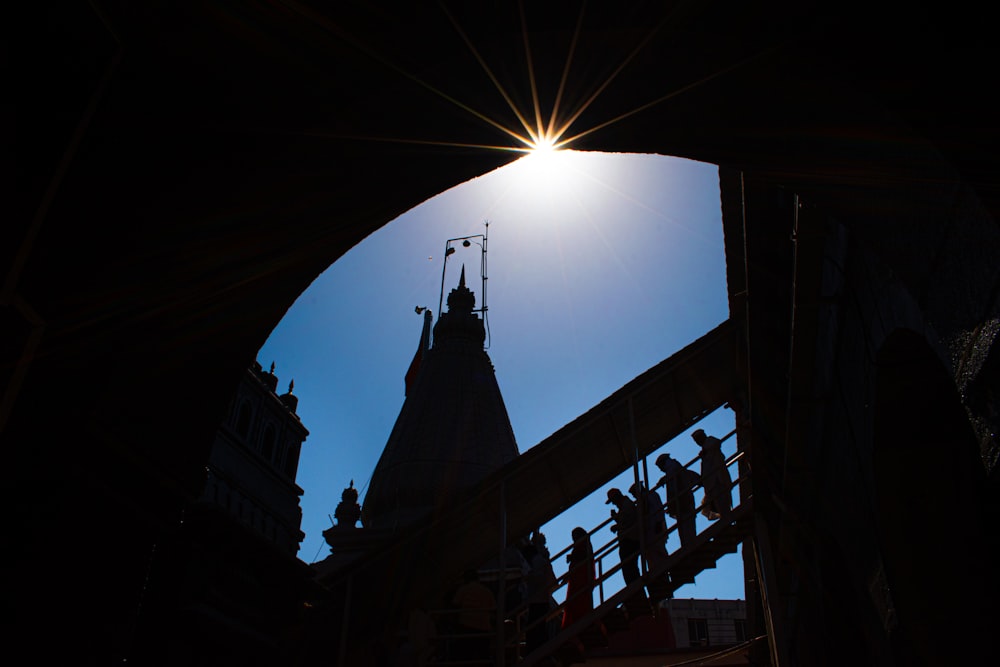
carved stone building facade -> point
(255, 457)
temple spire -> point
(453, 429)
(422, 347)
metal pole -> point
(444, 267)
(640, 513)
(482, 266)
(502, 579)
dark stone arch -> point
(928, 485)
(180, 182)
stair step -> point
(705, 565)
(659, 593)
(595, 636)
(617, 612)
(638, 606)
(569, 653)
(616, 621)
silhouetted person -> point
(654, 540)
(655, 534)
(651, 509)
(679, 483)
(627, 527)
(715, 477)
(476, 605)
(580, 578)
(541, 581)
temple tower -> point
(453, 429)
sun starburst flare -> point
(537, 135)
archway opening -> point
(599, 268)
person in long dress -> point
(580, 578)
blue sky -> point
(600, 266)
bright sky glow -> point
(547, 172)
(600, 266)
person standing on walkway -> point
(654, 529)
(715, 479)
(679, 483)
(627, 527)
(654, 540)
(580, 578)
(541, 581)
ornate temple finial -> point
(461, 299)
(272, 368)
(348, 510)
(291, 385)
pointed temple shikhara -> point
(453, 428)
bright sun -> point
(543, 146)
(546, 169)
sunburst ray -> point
(611, 77)
(531, 74)
(341, 34)
(404, 140)
(489, 73)
(562, 80)
(670, 95)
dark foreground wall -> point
(181, 171)
(876, 514)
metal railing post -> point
(501, 579)
(640, 514)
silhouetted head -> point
(578, 534)
(698, 436)
(614, 496)
(662, 460)
(635, 489)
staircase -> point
(540, 484)
(721, 538)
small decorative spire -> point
(272, 368)
(290, 400)
(461, 299)
(348, 511)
